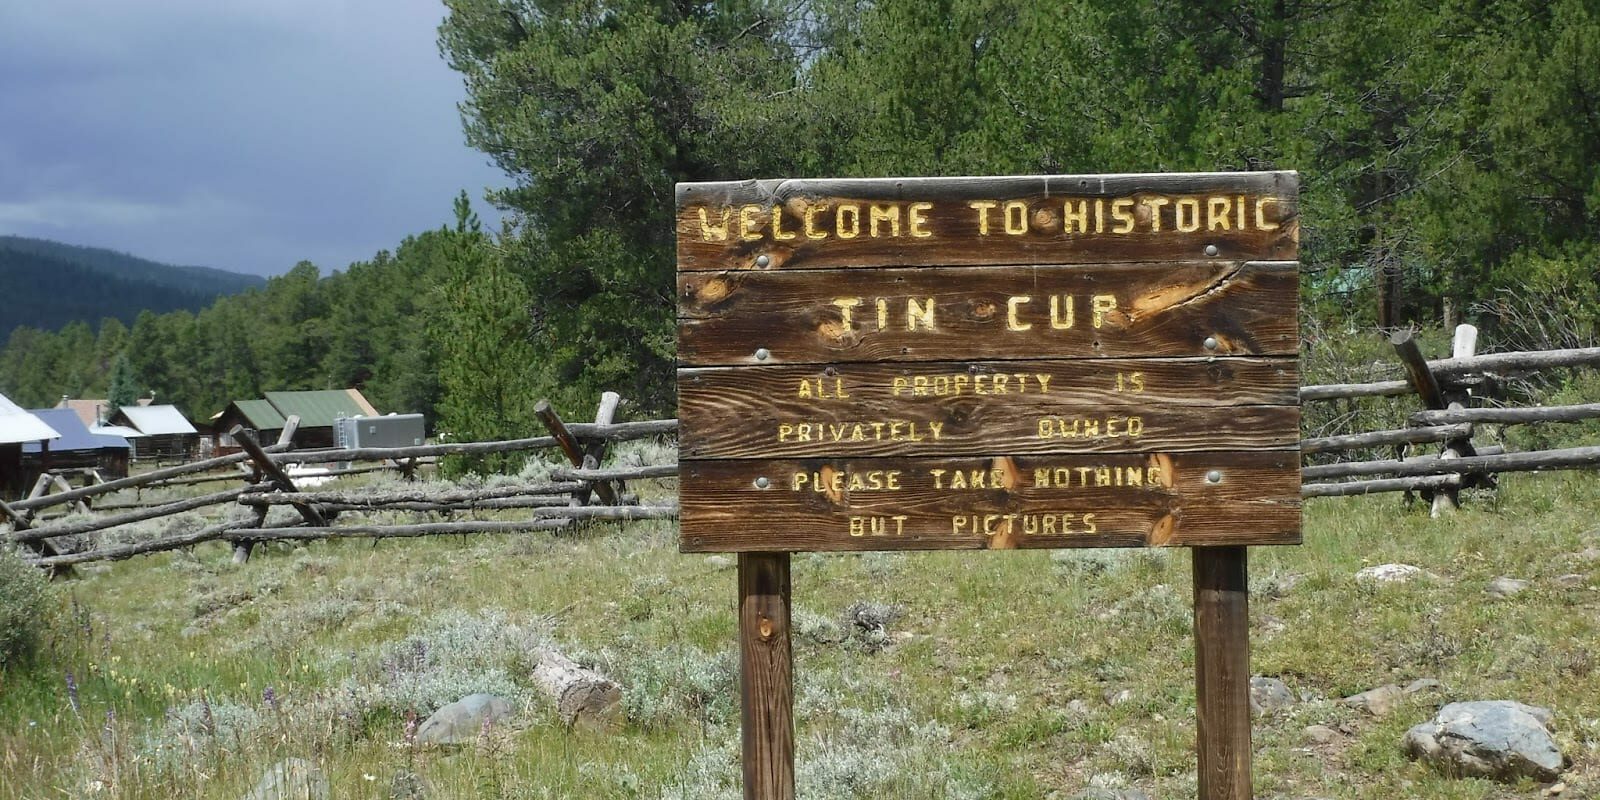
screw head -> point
(763, 260)
(762, 482)
(1214, 476)
(762, 354)
(1210, 343)
(1211, 249)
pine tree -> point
(124, 389)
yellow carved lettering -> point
(889, 213)
(917, 220)
(1122, 214)
(919, 313)
(843, 230)
(778, 233)
(1261, 215)
(1059, 321)
(1217, 213)
(1081, 216)
(845, 304)
(1016, 217)
(1192, 207)
(750, 223)
(714, 233)
(811, 221)
(1155, 204)
(983, 207)
(1102, 304)
(1012, 322)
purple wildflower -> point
(72, 693)
(411, 729)
(270, 697)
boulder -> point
(1268, 695)
(1499, 739)
(1388, 574)
(291, 779)
(1377, 702)
(1320, 734)
(1504, 587)
(463, 721)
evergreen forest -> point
(1449, 156)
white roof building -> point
(17, 425)
(157, 420)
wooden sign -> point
(989, 363)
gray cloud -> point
(245, 136)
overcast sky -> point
(244, 135)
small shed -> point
(18, 427)
(168, 434)
(259, 417)
(78, 448)
(318, 410)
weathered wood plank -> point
(1222, 672)
(766, 677)
(998, 502)
(971, 408)
(798, 224)
(1092, 311)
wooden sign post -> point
(990, 363)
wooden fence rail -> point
(553, 505)
(1445, 388)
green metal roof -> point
(261, 415)
(319, 409)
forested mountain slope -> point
(49, 284)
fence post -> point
(573, 450)
(1464, 345)
(1222, 672)
(280, 479)
(40, 547)
(766, 677)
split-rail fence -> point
(1458, 399)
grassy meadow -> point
(998, 675)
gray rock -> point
(1271, 625)
(1421, 685)
(721, 562)
(463, 721)
(1320, 734)
(407, 785)
(291, 779)
(1504, 587)
(1572, 581)
(1377, 702)
(1278, 586)
(1589, 554)
(1268, 695)
(1499, 739)
(1388, 574)
(874, 617)
(1104, 793)
(1118, 697)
